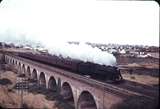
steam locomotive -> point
(96, 71)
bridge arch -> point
(23, 69)
(52, 84)
(10, 61)
(19, 64)
(86, 100)
(34, 75)
(13, 61)
(28, 73)
(42, 80)
(67, 93)
(19, 67)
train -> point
(92, 70)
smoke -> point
(82, 52)
(25, 22)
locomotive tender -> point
(96, 71)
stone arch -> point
(42, 80)
(23, 69)
(34, 75)
(19, 64)
(10, 61)
(28, 73)
(52, 84)
(86, 101)
(67, 93)
(19, 67)
(13, 61)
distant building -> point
(153, 54)
(122, 51)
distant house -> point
(144, 56)
(122, 51)
(27, 47)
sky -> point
(98, 21)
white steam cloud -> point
(38, 23)
(81, 51)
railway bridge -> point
(84, 92)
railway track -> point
(120, 89)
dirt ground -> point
(9, 98)
(143, 79)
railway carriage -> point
(96, 71)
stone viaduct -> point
(84, 92)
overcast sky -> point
(122, 22)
